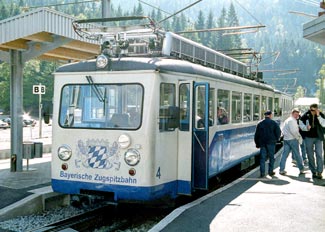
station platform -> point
(292, 203)
(5, 146)
(21, 192)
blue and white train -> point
(155, 125)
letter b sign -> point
(38, 89)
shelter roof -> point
(315, 30)
(43, 27)
(306, 101)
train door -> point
(193, 139)
(200, 136)
(184, 167)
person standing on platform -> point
(315, 123)
(267, 133)
(292, 139)
(302, 131)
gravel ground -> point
(27, 223)
(32, 222)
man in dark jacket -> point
(315, 123)
(266, 135)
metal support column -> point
(16, 110)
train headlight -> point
(101, 61)
(124, 141)
(64, 152)
(132, 157)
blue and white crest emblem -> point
(97, 157)
(98, 154)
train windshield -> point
(117, 106)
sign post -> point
(39, 89)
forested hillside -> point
(279, 45)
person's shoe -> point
(302, 171)
(305, 162)
(271, 173)
(294, 161)
(319, 175)
(283, 172)
(314, 175)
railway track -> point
(110, 217)
(83, 222)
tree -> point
(139, 10)
(21, 3)
(167, 26)
(321, 85)
(153, 15)
(15, 10)
(119, 12)
(221, 42)
(199, 25)
(4, 87)
(300, 92)
(3, 11)
(209, 24)
(159, 15)
(176, 24)
(235, 41)
(183, 21)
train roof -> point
(161, 64)
(282, 93)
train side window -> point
(168, 112)
(200, 114)
(264, 106)
(256, 108)
(247, 107)
(277, 111)
(184, 105)
(223, 98)
(236, 103)
(211, 106)
(270, 103)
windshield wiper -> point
(94, 87)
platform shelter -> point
(43, 34)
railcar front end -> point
(103, 136)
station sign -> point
(39, 89)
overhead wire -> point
(166, 12)
(247, 11)
(179, 11)
(155, 7)
(63, 4)
(308, 2)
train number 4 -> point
(158, 173)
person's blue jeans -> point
(312, 143)
(303, 150)
(267, 150)
(291, 146)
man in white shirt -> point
(292, 139)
